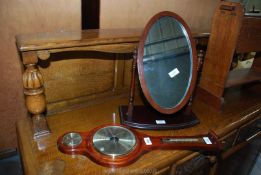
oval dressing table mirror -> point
(167, 70)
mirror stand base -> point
(40, 126)
(145, 117)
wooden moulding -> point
(29, 58)
(34, 96)
(92, 37)
(34, 89)
(108, 48)
(43, 54)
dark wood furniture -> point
(105, 77)
(231, 32)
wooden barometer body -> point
(117, 145)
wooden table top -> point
(38, 41)
(65, 39)
(42, 156)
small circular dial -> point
(114, 141)
(72, 139)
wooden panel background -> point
(76, 79)
(31, 16)
(249, 38)
(26, 16)
(67, 79)
(136, 13)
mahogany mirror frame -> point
(193, 54)
(156, 117)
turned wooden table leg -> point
(35, 99)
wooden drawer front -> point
(198, 165)
(228, 140)
(248, 130)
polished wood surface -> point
(62, 40)
(78, 38)
(219, 54)
(42, 156)
(216, 74)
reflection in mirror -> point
(167, 62)
(167, 69)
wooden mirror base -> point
(144, 117)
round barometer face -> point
(72, 139)
(114, 141)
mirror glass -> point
(167, 62)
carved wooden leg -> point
(35, 99)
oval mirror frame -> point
(193, 58)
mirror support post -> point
(132, 86)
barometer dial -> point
(72, 139)
(114, 141)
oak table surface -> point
(65, 39)
(42, 156)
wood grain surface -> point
(221, 48)
(27, 16)
(79, 67)
(231, 32)
(77, 38)
(42, 156)
(135, 13)
(249, 39)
